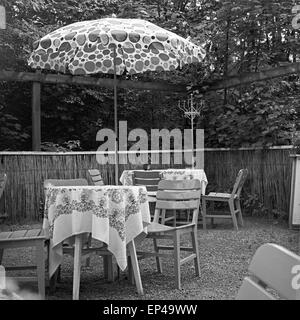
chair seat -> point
(22, 235)
(219, 195)
(157, 227)
(232, 199)
(27, 238)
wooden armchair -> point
(175, 195)
(233, 200)
(275, 267)
(21, 239)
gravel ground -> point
(224, 257)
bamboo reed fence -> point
(269, 175)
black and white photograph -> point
(149, 154)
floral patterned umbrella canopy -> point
(113, 45)
(87, 47)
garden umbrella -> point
(113, 45)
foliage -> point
(72, 145)
(11, 132)
(260, 115)
(238, 35)
(253, 206)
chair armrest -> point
(186, 226)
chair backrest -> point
(150, 179)
(96, 177)
(65, 182)
(272, 266)
(3, 179)
(239, 182)
(178, 195)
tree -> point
(239, 36)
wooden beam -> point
(36, 116)
(89, 81)
(249, 77)
(229, 82)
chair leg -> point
(176, 240)
(196, 251)
(105, 266)
(59, 274)
(240, 216)
(130, 272)
(212, 220)
(40, 261)
(118, 271)
(232, 211)
(152, 209)
(203, 211)
(163, 216)
(110, 269)
(56, 277)
(89, 244)
(1, 255)
(158, 260)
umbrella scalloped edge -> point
(97, 46)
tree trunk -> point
(226, 57)
(158, 8)
(257, 51)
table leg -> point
(77, 266)
(110, 269)
(135, 267)
(53, 281)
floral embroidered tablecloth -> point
(171, 174)
(113, 214)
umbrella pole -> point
(116, 121)
(192, 129)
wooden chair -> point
(233, 200)
(97, 180)
(150, 179)
(25, 238)
(175, 195)
(275, 267)
(108, 269)
(96, 177)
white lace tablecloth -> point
(115, 215)
(171, 174)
